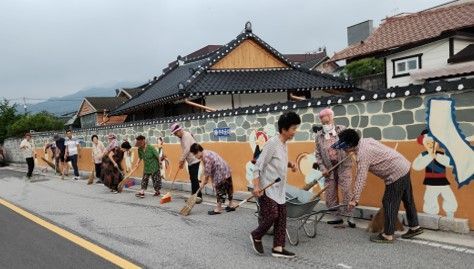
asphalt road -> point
(25, 244)
(158, 237)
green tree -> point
(364, 67)
(39, 122)
(7, 118)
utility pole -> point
(24, 104)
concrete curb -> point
(432, 222)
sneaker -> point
(99, 182)
(115, 191)
(157, 193)
(379, 238)
(283, 254)
(76, 178)
(257, 246)
(334, 222)
(140, 195)
(411, 233)
(351, 224)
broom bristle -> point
(166, 198)
(189, 205)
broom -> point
(190, 202)
(167, 197)
(308, 186)
(250, 197)
(91, 176)
(125, 180)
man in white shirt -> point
(272, 164)
(28, 150)
(72, 152)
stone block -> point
(381, 120)
(339, 110)
(420, 115)
(392, 106)
(239, 120)
(402, 118)
(210, 125)
(305, 118)
(359, 121)
(454, 225)
(302, 136)
(394, 133)
(262, 121)
(413, 131)
(305, 127)
(342, 121)
(464, 99)
(246, 125)
(466, 115)
(372, 132)
(242, 138)
(352, 109)
(374, 107)
(413, 102)
(222, 124)
(467, 128)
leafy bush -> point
(39, 122)
(7, 118)
(364, 67)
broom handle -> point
(174, 179)
(308, 186)
(250, 197)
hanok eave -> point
(244, 72)
(94, 111)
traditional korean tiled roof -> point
(105, 103)
(400, 31)
(186, 77)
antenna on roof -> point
(248, 27)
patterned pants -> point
(274, 214)
(223, 189)
(342, 180)
(155, 177)
(400, 190)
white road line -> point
(439, 245)
(344, 266)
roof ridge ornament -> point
(248, 27)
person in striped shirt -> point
(394, 169)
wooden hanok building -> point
(244, 72)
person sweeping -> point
(273, 164)
(151, 159)
(394, 169)
(216, 169)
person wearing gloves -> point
(394, 169)
(341, 177)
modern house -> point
(428, 45)
(244, 72)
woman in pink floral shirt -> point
(219, 172)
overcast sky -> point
(54, 48)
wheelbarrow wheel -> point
(293, 242)
(310, 227)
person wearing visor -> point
(394, 169)
(327, 157)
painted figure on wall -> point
(445, 130)
(307, 165)
(257, 141)
(434, 162)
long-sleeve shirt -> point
(382, 161)
(325, 154)
(186, 141)
(434, 166)
(27, 148)
(215, 167)
(273, 164)
(98, 152)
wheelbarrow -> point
(300, 206)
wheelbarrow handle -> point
(250, 197)
(308, 186)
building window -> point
(403, 66)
